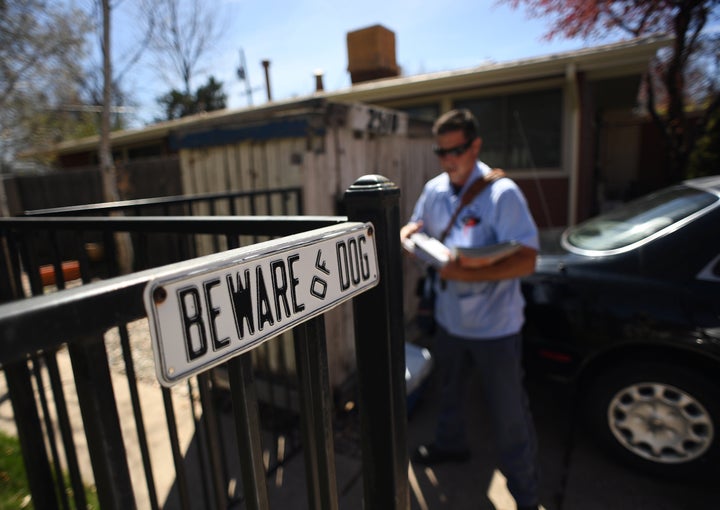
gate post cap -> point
(372, 182)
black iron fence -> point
(279, 201)
(161, 248)
(73, 323)
(101, 248)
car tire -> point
(657, 417)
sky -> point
(299, 37)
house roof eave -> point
(601, 61)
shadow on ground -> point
(576, 475)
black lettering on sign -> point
(263, 300)
(364, 260)
(353, 262)
(294, 282)
(213, 312)
(284, 279)
(193, 325)
(320, 264)
(343, 265)
(318, 287)
(280, 288)
(241, 299)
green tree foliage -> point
(41, 48)
(681, 82)
(705, 159)
(207, 98)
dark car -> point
(628, 309)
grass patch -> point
(14, 489)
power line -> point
(93, 108)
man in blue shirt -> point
(479, 310)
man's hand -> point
(409, 230)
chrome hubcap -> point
(660, 423)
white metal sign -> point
(207, 310)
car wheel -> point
(658, 417)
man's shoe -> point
(431, 454)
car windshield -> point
(639, 219)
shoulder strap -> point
(474, 190)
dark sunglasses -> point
(458, 150)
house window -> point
(520, 131)
(425, 112)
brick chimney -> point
(371, 54)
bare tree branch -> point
(185, 32)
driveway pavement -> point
(576, 474)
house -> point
(564, 126)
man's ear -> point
(477, 145)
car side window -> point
(638, 221)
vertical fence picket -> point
(180, 473)
(102, 423)
(316, 415)
(50, 432)
(247, 431)
(30, 435)
(65, 430)
(138, 414)
(211, 429)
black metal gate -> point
(73, 323)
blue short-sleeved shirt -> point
(479, 310)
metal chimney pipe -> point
(266, 65)
(319, 87)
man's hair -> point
(457, 120)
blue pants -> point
(499, 362)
